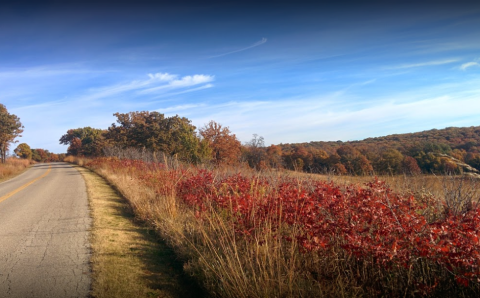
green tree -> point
(153, 131)
(40, 155)
(23, 151)
(189, 147)
(36, 155)
(10, 128)
(84, 141)
(428, 162)
(390, 162)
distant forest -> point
(440, 151)
(451, 150)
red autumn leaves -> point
(371, 223)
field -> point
(279, 234)
(13, 167)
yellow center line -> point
(8, 195)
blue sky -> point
(290, 73)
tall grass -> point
(13, 166)
(459, 193)
(78, 160)
(245, 234)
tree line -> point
(11, 128)
(153, 131)
(451, 150)
(40, 155)
(437, 151)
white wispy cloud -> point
(162, 76)
(188, 81)
(258, 43)
(332, 117)
(175, 109)
(184, 82)
(422, 64)
(206, 86)
(354, 85)
(156, 82)
(48, 71)
(49, 105)
(464, 66)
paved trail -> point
(44, 223)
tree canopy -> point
(23, 151)
(451, 150)
(225, 147)
(10, 128)
(155, 132)
(84, 141)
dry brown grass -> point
(13, 167)
(438, 186)
(267, 266)
(128, 260)
(81, 161)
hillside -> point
(436, 150)
(466, 138)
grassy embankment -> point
(281, 235)
(128, 259)
(13, 167)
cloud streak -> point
(156, 82)
(184, 82)
(327, 117)
(422, 64)
(206, 86)
(258, 43)
(47, 71)
(464, 66)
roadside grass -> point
(13, 167)
(235, 251)
(128, 259)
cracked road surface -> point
(44, 233)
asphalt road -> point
(44, 231)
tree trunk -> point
(3, 152)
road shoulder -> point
(128, 260)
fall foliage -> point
(153, 131)
(23, 151)
(450, 150)
(434, 151)
(84, 141)
(376, 241)
(225, 147)
(10, 128)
